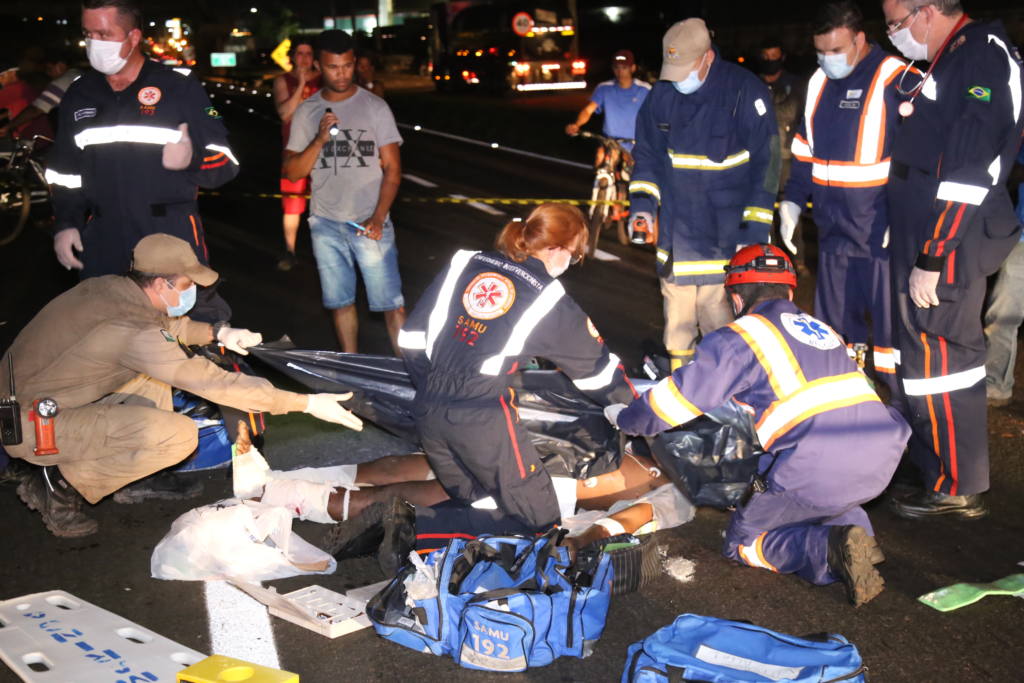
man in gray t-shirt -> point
(346, 140)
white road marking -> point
(239, 626)
(419, 181)
(602, 255)
(494, 145)
(480, 206)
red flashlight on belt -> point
(43, 413)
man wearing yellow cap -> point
(108, 352)
(707, 165)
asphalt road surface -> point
(900, 638)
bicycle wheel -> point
(603, 191)
(15, 205)
(622, 214)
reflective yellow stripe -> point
(670, 405)
(662, 255)
(702, 163)
(645, 187)
(758, 215)
(772, 352)
(814, 398)
(684, 268)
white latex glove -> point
(178, 155)
(64, 244)
(238, 340)
(326, 408)
(789, 214)
(611, 413)
(922, 288)
(648, 220)
(885, 238)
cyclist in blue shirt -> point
(619, 100)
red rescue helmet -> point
(760, 264)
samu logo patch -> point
(810, 331)
(976, 92)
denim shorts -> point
(339, 247)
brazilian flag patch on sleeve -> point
(212, 113)
(976, 92)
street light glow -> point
(253, 10)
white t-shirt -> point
(345, 180)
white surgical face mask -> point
(186, 300)
(105, 55)
(559, 264)
(904, 41)
(835, 66)
(693, 82)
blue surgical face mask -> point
(835, 66)
(693, 82)
(186, 300)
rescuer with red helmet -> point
(809, 401)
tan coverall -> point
(109, 359)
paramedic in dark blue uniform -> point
(841, 163)
(136, 140)
(707, 166)
(485, 316)
(953, 225)
(810, 404)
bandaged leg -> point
(305, 499)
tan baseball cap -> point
(163, 254)
(683, 45)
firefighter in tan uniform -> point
(108, 352)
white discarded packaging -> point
(234, 539)
(328, 613)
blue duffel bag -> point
(500, 603)
(710, 650)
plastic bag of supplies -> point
(234, 539)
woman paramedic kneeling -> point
(477, 323)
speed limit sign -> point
(522, 23)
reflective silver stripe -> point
(124, 133)
(183, 71)
(226, 150)
(944, 383)
(814, 89)
(959, 192)
(995, 169)
(531, 318)
(801, 149)
(439, 315)
(851, 173)
(1015, 89)
(412, 340)
(63, 179)
(601, 379)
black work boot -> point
(849, 558)
(59, 504)
(159, 486)
(399, 537)
(387, 528)
(928, 504)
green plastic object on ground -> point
(962, 594)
